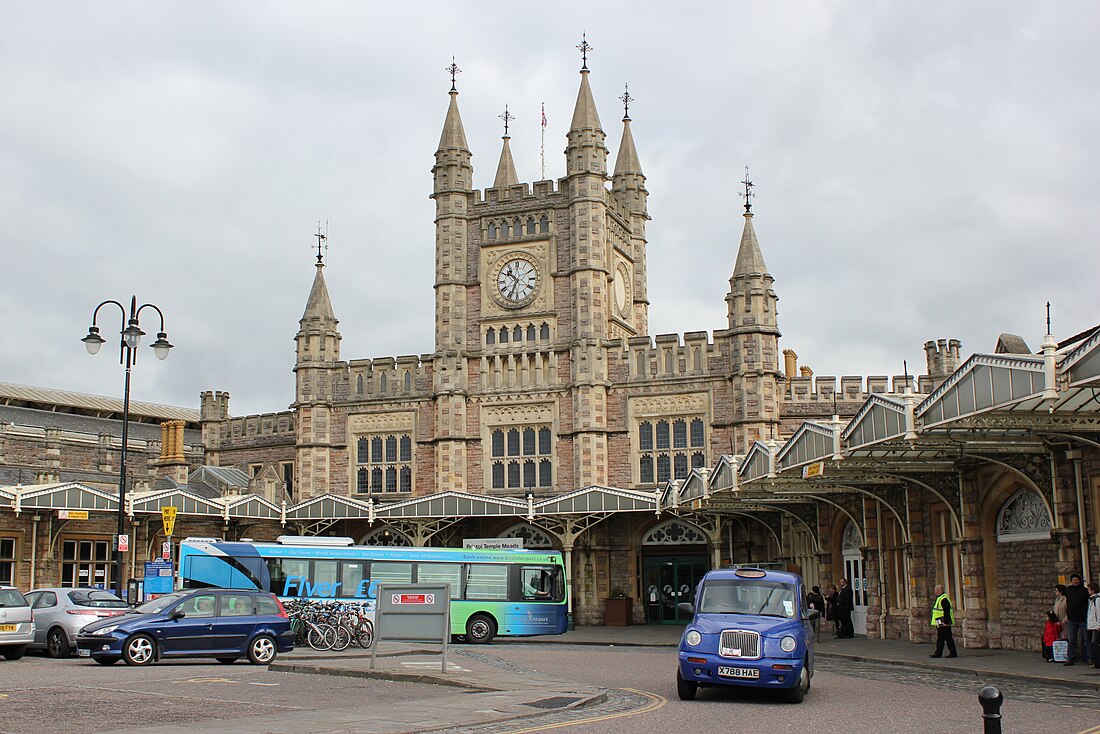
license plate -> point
(727, 672)
(8, 627)
(80, 653)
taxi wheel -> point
(798, 693)
(139, 650)
(57, 643)
(262, 650)
(685, 689)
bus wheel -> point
(480, 629)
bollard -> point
(991, 699)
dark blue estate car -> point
(751, 628)
(225, 624)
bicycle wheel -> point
(364, 634)
(343, 638)
(321, 637)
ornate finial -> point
(627, 99)
(584, 47)
(321, 242)
(1048, 318)
(905, 374)
(507, 117)
(454, 72)
(748, 191)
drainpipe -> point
(1074, 455)
(883, 607)
(34, 549)
(572, 580)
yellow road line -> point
(655, 702)
(1091, 730)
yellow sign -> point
(815, 469)
(168, 517)
(72, 514)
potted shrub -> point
(619, 611)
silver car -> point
(16, 623)
(60, 613)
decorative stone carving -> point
(1023, 517)
(382, 422)
(518, 414)
(852, 538)
(665, 405)
(385, 535)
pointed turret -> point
(628, 189)
(750, 261)
(627, 159)
(506, 169)
(318, 306)
(452, 170)
(585, 152)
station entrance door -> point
(667, 581)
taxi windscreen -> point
(741, 596)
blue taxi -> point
(751, 627)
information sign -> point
(168, 519)
(158, 578)
(123, 543)
(166, 550)
(493, 543)
(815, 469)
(72, 514)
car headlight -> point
(788, 644)
(106, 630)
(693, 638)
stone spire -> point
(318, 306)
(452, 169)
(627, 159)
(750, 261)
(585, 152)
(506, 169)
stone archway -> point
(674, 559)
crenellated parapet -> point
(523, 195)
(389, 377)
(256, 430)
(666, 356)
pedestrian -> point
(1077, 612)
(1052, 630)
(1094, 622)
(943, 617)
(845, 605)
(1060, 606)
(814, 600)
(830, 609)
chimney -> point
(172, 462)
(805, 371)
(790, 362)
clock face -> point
(517, 280)
(621, 294)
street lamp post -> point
(131, 336)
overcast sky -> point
(924, 170)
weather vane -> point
(584, 47)
(322, 241)
(749, 194)
(454, 72)
(627, 99)
(507, 117)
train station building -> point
(545, 410)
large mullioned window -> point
(384, 463)
(521, 457)
(669, 448)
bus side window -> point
(534, 583)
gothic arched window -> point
(544, 224)
(408, 380)
(530, 225)
(491, 337)
(530, 332)
(492, 231)
(544, 332)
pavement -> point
(487, 690)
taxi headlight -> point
(788, 644)
(693, 638)
(105, 630)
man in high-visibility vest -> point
(943, 616)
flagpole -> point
(542, 146)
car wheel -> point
(685, 689)
(262, 650)
(14, 652)
(227, 661)
(57, 643)
(480, 629)
(106, 661)
(798, 692)
(139, 650)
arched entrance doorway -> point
(674, 559)
(856, 573)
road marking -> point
(435, 664)
(655, 702)
(1092, 730)
(3, 695)
(257, 683)
(211, 680)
